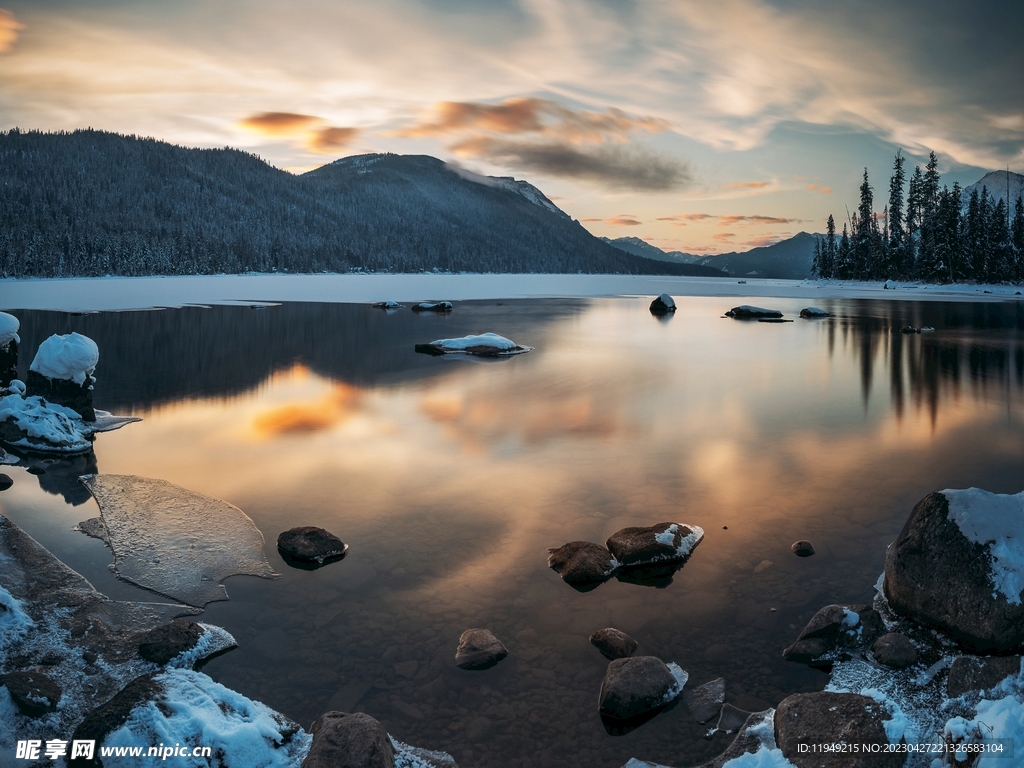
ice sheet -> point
(172, 541)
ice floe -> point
(173, 541)
(71, 357)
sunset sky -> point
(698, 126)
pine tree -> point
(897, 245)
(913, 229)
(865, 238)
(1017, 234)
(829, 252)
(844, 266)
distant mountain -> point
(642, 248)
(96, 203)
(790, 259)
(996, 182)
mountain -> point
(790, 259)
(93, 203)
(645, 250)
(996, 182)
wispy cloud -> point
(747, 185)
(9, 29)
(330, 139)
(308, 130)
(623, 220)
(819, 188)
(725, 221)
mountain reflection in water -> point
(449, 479)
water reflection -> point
(450, 480)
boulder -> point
(637, 686)
(802, 548)
(482, 345)
(825, 717)
(746, 311)
(433, 306)
(111, 715)
(479, 649)
(812, 312)
(77, 397)
(389, 304)
(61, 372)
(705, 701)
(937, 576)
(663, 304)
(909, 329)
(835, 627)
(33, 692)
(894, 650)
(163, 643)
(311, 544)
(973, 673)
(582, 563)
(342, 740)
(613, 643)
(662, 542)
(5, 482)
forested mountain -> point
(92, 203)
(789, 259)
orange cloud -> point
(817, 188)
(9, 28)
(762, 240)
(279, 123)
(623, 220)
(747, 185)
(330, 138)
(724, 221)
(723, 235)
(296, 418)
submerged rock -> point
(802, 548)
(661, 542)
(705, 701)
(971, 673)
(163, 643)
(613, 643)
(387, 305)
(746, 311)
(479, 649)
(663, 304)
(824, 717)
(958, 565)
(433, 306)
(482, 345)
(638, 686)
(909, 329)
(309, 543)
(894, 650)
(812, 312)
(5, 482)
(342, 740)
(33, 692)
(582, 564)
(835, 628)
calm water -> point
(450, 478)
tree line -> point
(925, 233)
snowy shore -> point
(123, 293)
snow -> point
(765, 757)
(113, 293)
(14, 622)
(61, 428)
(668, 536)
(196, 711)
(997, 520)
(681, 676)
(488, 339)
(407, 756)
(814, 312)
(176, 542)
(690, 540)
(896, 726)
(72, 357)
(996, 718)
(213, 640)
(8, 329)
(850, 618)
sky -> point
(698, 126)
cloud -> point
(330, 138)
(818, 188)
(747, 185)
(725, 221)
(280, 123)
(623, 220)
(762, 240)
(615, 166)
(723, 235)
(9, 28)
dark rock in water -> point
(971, 673)
(387, 305)
(938, 577)
(635, 687)
(311, 544)
(813, 312)
(909, 329)
(773, 320)
(658, 543)
(894, 650)
(36, 471)
(33, 692)
(433, 306)
(747, 739)
(663, 305)
(89, 657)
(705, 701)
(110, 716)
(5, 482)
(70, 394)
(342, 740)
(613, 643)
(808, 651)
(746, 311)
(802, 548)
(582, 564)
(835, 628)
(8, 362)
(479, 649)
(163, 643)
(829, 718)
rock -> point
(163, 643)
(479, 649)
(909, 329)
(829, 718)
(613, 643)
(811, 312)
(433, 306)
(659, 543)
(110, 716)
(938, 577)
(832, 628)
(582, 563)
(763, 566)
(971, 673)
(894, 650)
(5, 482)
(387, 305)
(33, 692)
(731, 718)
(663, 304)
(9, 326)
(889, 285)
(705, 701)
(67, 393)
(802, 548)
(808, 651)
(637, 686)
(482, 345)
(746, 311)
(342, 740)
(311, 544)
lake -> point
(449, 479)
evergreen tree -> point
(973, 237)
(865, 240)
(1017, 235)
(1001, 267)
(817, 263)
(844, 267)
(897, 245)
(829, 252)
(913, 229)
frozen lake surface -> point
(450, 478)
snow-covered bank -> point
(120, 293)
